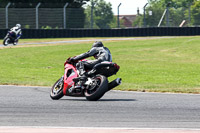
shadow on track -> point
(102, 100)
(117, 100)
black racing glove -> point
(72, 60)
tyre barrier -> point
(131, 32)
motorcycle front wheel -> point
(97, 88)
(57, 89)
(6, 41)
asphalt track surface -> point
(32, 106)
(30, 109)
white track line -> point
(195, 129)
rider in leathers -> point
(100, 54)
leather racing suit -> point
(100, 54)
(18, 33)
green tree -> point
(138, 22)
(157, 10)
(177, 12)
(195, 13)
(102, 14)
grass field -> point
(159, 65)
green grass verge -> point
(159, 65)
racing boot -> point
(79, 81)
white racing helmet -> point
(18, 25)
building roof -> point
(128, 19)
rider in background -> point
(18, 32)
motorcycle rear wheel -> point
(57, 89)
(98, 88)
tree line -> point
(99, 14)
(179, 10)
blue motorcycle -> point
(10, 38)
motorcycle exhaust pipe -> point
(114, 83)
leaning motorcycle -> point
(93, 87)
(9, 38)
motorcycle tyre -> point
(15, 42)
(4, 42)
(58, 95)
(100, 91)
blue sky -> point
(128, 7)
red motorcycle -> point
(93, 87)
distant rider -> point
(18, 32)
